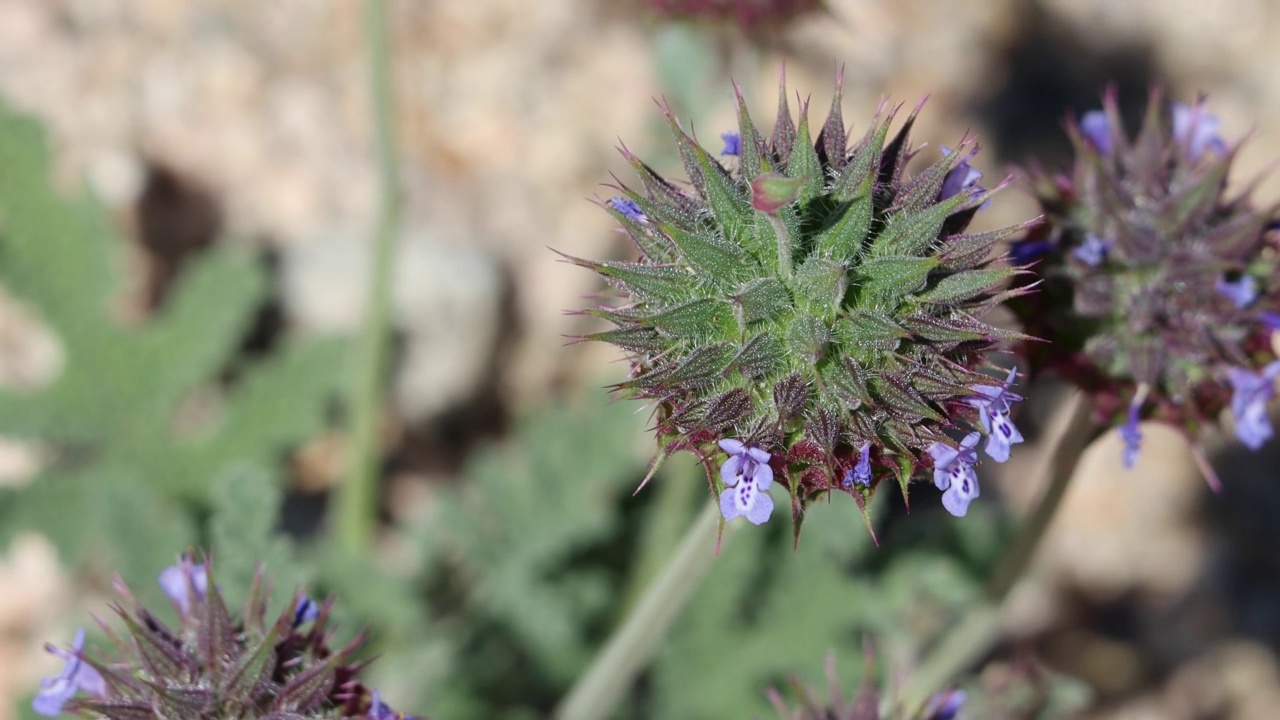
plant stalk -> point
(979, 630)
(356, 501)
(632, 645)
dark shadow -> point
(177, 218)
(1051, 70)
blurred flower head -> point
(1158, 281)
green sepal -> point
(901, 399)
(846, 380)
(924, 188)
(966, 251)
(253, 670)
(804, 160)
(808, 337)
(870, 330)
(963, 286)
(698, 319)
(633, 338)
(663, 283)
(844, 239)
(712, 259)
(761, 356)
(822, 283)
(914, 233)
(905, 469)
(726, 198)
(760, 299)
(883, 281)
(701, 367)
(859, 176)
(750, 159)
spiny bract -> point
(813, 311)
(1159, 294)
(213, 666)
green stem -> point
(679, 491)
(629, 650)
(979, 630)
(356, 501)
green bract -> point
(808, 300)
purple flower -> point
(1131, 433)
(732, 144)
(1197, 130)
(1024, 252)
(379, 710)
(628, 209)
(962, 177)
(305, 611)
(953, 473)
(861, 473)
(747, 477)
(1270, 319)
(1092, 251)
(1096, 129)
(76, 675)
(177, 580)
(993, 403)
(1242, 291)
(1251, 393)
(944, 705)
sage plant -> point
(214, 664)
(807, 313)
(1159, 294)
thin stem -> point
(356, 500)
(598, 691)
(978, 631)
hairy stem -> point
(633, 643)
(979, 629)
(356, 500)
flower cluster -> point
(1158, 295)
(813, 311)
(213, 665)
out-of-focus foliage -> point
(142, 430)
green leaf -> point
(142, 421)
(529, 506)
(767, 612)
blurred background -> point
(173, 366)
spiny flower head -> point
(213, 665)
(865, 704)
(810, 312)
(1158, 284)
